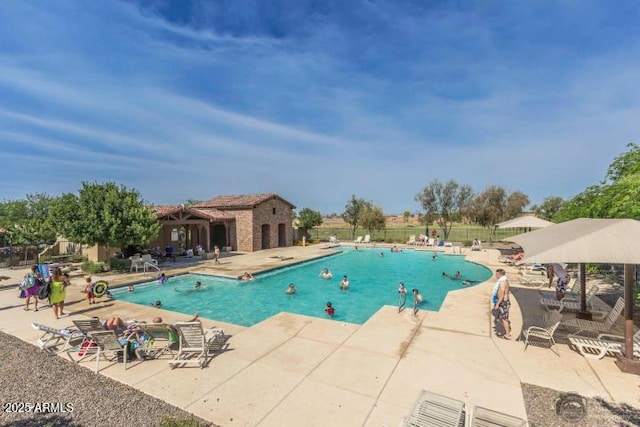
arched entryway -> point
(218, 235)
(266, 234)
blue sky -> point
(315, 100)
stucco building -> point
(246, 223)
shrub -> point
(467, 243)
(593, 268)
(92, 267)
(117, 264)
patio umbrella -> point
(527, 221)
(590, 240)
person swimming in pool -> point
(162, 278)
(157, 304)
(344, 285)
(291, 289)
(247, 277)
(329, 309)
(326, 274)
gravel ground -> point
(30, 376)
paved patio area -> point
(293, 370)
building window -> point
(273, 210)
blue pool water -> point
(373, 281)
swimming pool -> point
(373, 281)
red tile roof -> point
(240, 201)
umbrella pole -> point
(626, 362)
(582, 275)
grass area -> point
(398, 232)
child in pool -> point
(329, 309)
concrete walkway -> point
(293, 370)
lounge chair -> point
(432, 409)
(568, 304)
(367, 238)
(430, 242)
(412, 240)
(597, 327)
(477, 246)
(358, 240)
(53, 340)
(156, 339)
(603, 344)
(483, 417)
(108, 342)
(550, 323)
(194, 341)
(87, 346)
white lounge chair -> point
(550, 323)
(412, 240)
(430, 241)
(108, 342)
(367, 239)
(432, 409)
(483, 417)
(53, 340)
(603, 344)
(195, 342)
(358, 240)
(477, 246)
(568, 304)
(156, 339)
(87, 346)
(597, 327)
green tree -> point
(548, 208)
(445, 203)
(405, 216)
(353, 212)
(28, 220)
(108, 215)
(308, 218)
(617, 196)
(515, 204)
(372, 218)
(490, 207)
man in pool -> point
(291, 289)
(247, 277)
(344, 285)
(326, 274)
(197, 285)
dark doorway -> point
(218, 236)
(266, 234)
(282, 236)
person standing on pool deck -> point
(344, 285)
(502, 305)
(216, 254)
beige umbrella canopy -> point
(585, 240)
(527, 221)
(615, 241)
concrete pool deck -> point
(292, 370)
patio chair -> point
(432, 409)
(367, 238)
(136, 262)
(603, 344)
(477, 246)
(568, 304)
(412, 240)
(483, 417)
(87, 346)
(53, 340)
(156, 339)
(358, 240)
(597, 327)
(430, 241)
(108, 342)
(545, 332)
(195, 342)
